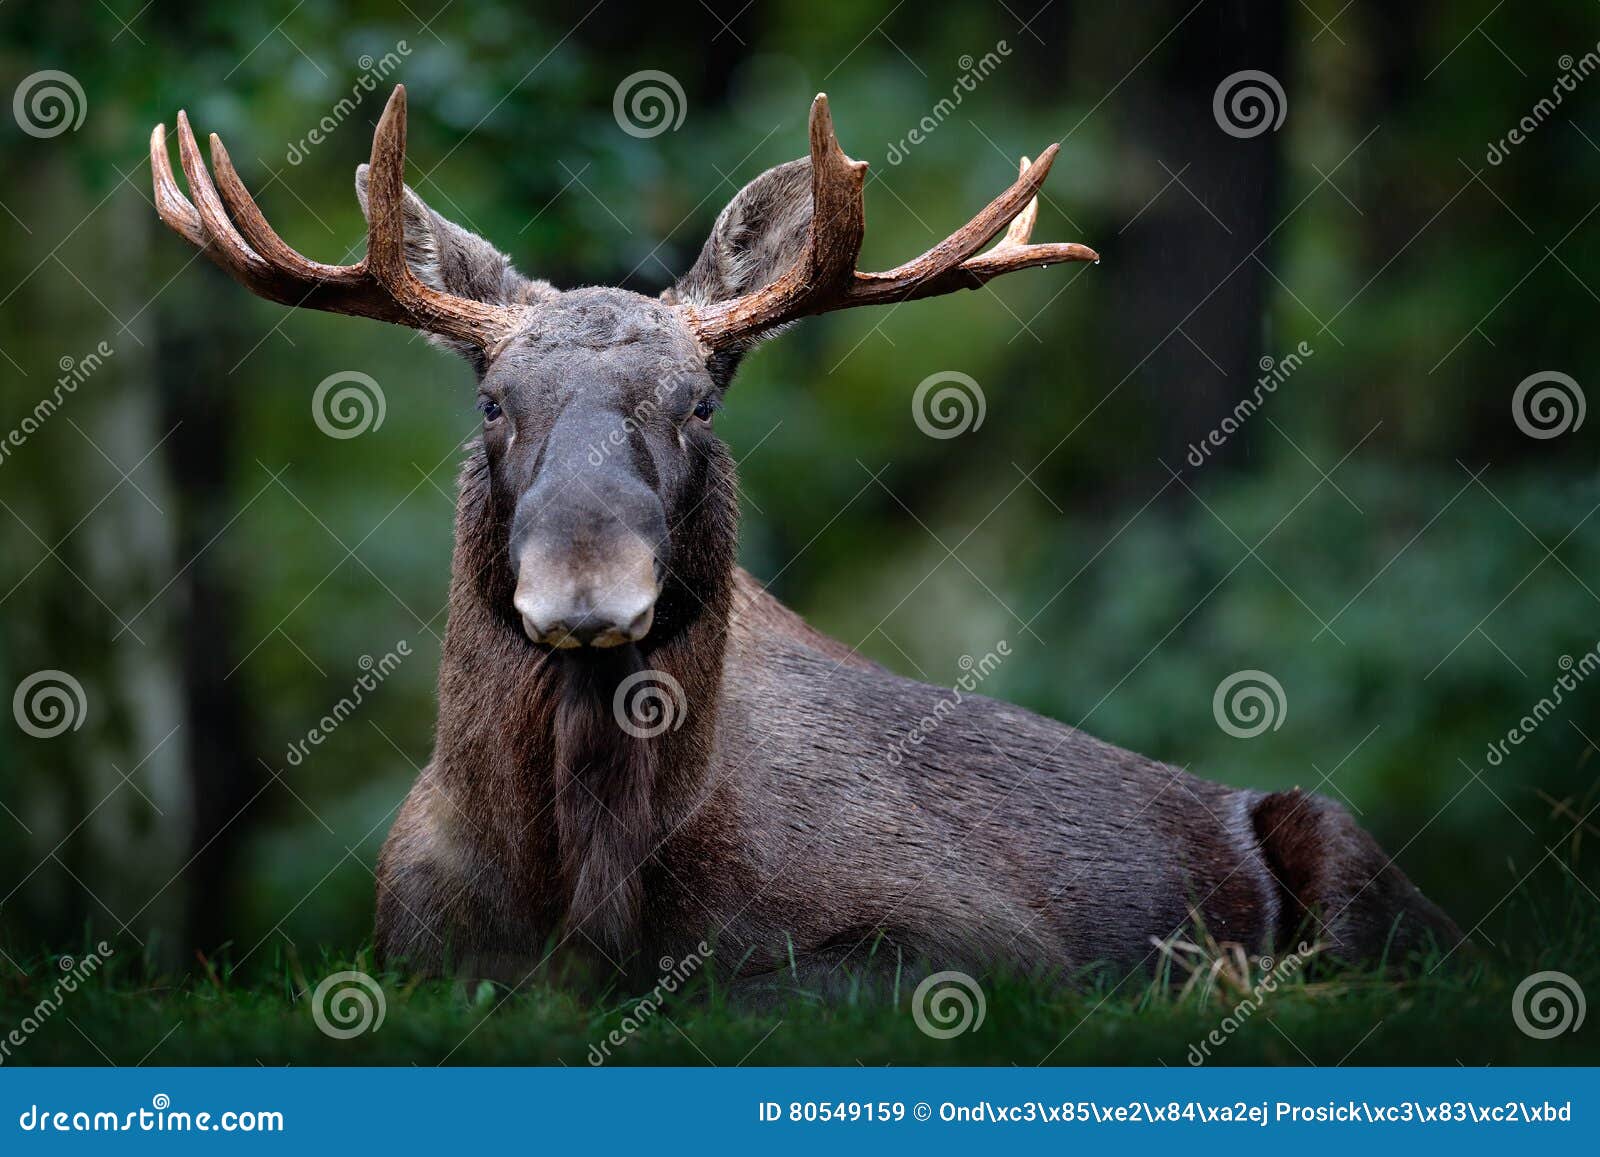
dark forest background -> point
(1382, 537)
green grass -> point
(129, 1012)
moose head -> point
(606, 477)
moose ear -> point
(446, 257)
(759, 235)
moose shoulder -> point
(639, 750)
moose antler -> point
(824, 278)
(225, 223)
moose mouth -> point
(590, 631)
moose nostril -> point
(639, 626)
(555, 634)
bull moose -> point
(639, 749)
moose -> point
(640, 750)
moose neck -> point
(572, 784)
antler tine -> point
(976, 233)
(838, 215)
(386, 176)
(247, 215)
(833, 243)
(225, 222)
(386, 244)
(172, 206)
(815, 283)
(1013, 252)
(225, 244)
(1021, 227)
(976, 271)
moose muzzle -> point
(586, 546)
(601, 597)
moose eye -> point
(491, 409)
(704, 408)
